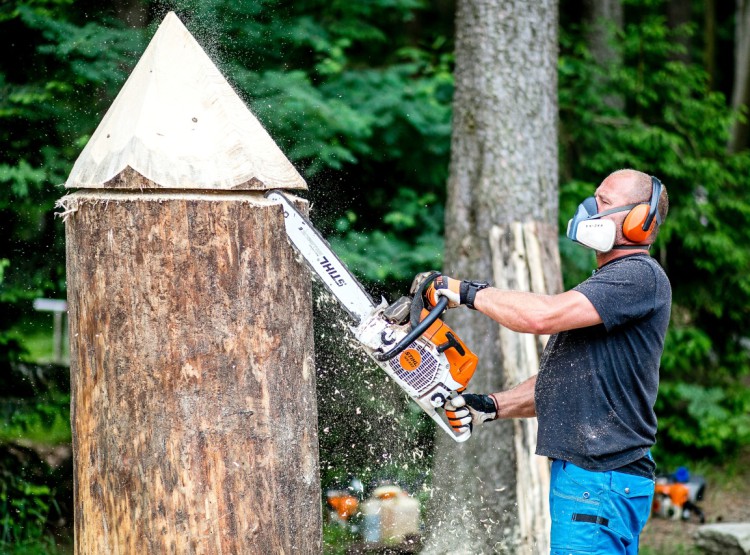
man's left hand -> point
(469, 409)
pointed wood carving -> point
(178, 124)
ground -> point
(727, 500)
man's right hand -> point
(458, 292)
(443, 286)
(467, 410)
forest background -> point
(358, 95)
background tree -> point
(603, 20)
(501, 223)
(741, 91)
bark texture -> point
(193, 380)
(504, 171)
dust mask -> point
(589, 229)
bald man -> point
(595, 391)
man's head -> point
(625, 213)
(627, 187)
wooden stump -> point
(193, 382)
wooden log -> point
(193, 381)
(193, 402)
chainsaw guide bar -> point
(427, 361)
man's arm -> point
(470, 409)
(538, 314)
(517, 402)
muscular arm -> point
(538, 314)
(517, 402)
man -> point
(598, 379)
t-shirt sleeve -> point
(621, 293)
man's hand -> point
(443, 286)
(467, 410)
(457, 292)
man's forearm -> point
(516, 310)
(526, 312)
(517, 402)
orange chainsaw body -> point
(462, 365)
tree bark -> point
(740, 131)
(604, 18)
(192, 373)
(487, 496)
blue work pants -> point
(597, 512)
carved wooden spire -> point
(178, 124)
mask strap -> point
(614, 210)
(631, 247)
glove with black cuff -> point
(458, 292)
(467, 410)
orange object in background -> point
(343, 503)
(677, 493)
(670, 500)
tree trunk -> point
(490, 493)
(193, 381)
(678, 16)
(193, 404)
(709, 41)
(739, 135)
(605, 19)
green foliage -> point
(358, 95)
(27, 502)
(347, 94)
(337, 539)
(409, 239)
(669, 123)
(24, 507)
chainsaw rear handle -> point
(416, 331)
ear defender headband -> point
(639, 223)
(588, 228)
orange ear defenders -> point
(639, 223)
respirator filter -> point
(587, 228)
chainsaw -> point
(406, 339)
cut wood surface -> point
(177, 123)
(193, 379)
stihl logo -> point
(331, 271)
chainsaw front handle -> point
(415, 333)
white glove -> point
(465, 411)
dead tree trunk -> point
(490, 493)
(192, 374)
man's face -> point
(613, 192)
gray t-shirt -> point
(597, 386)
